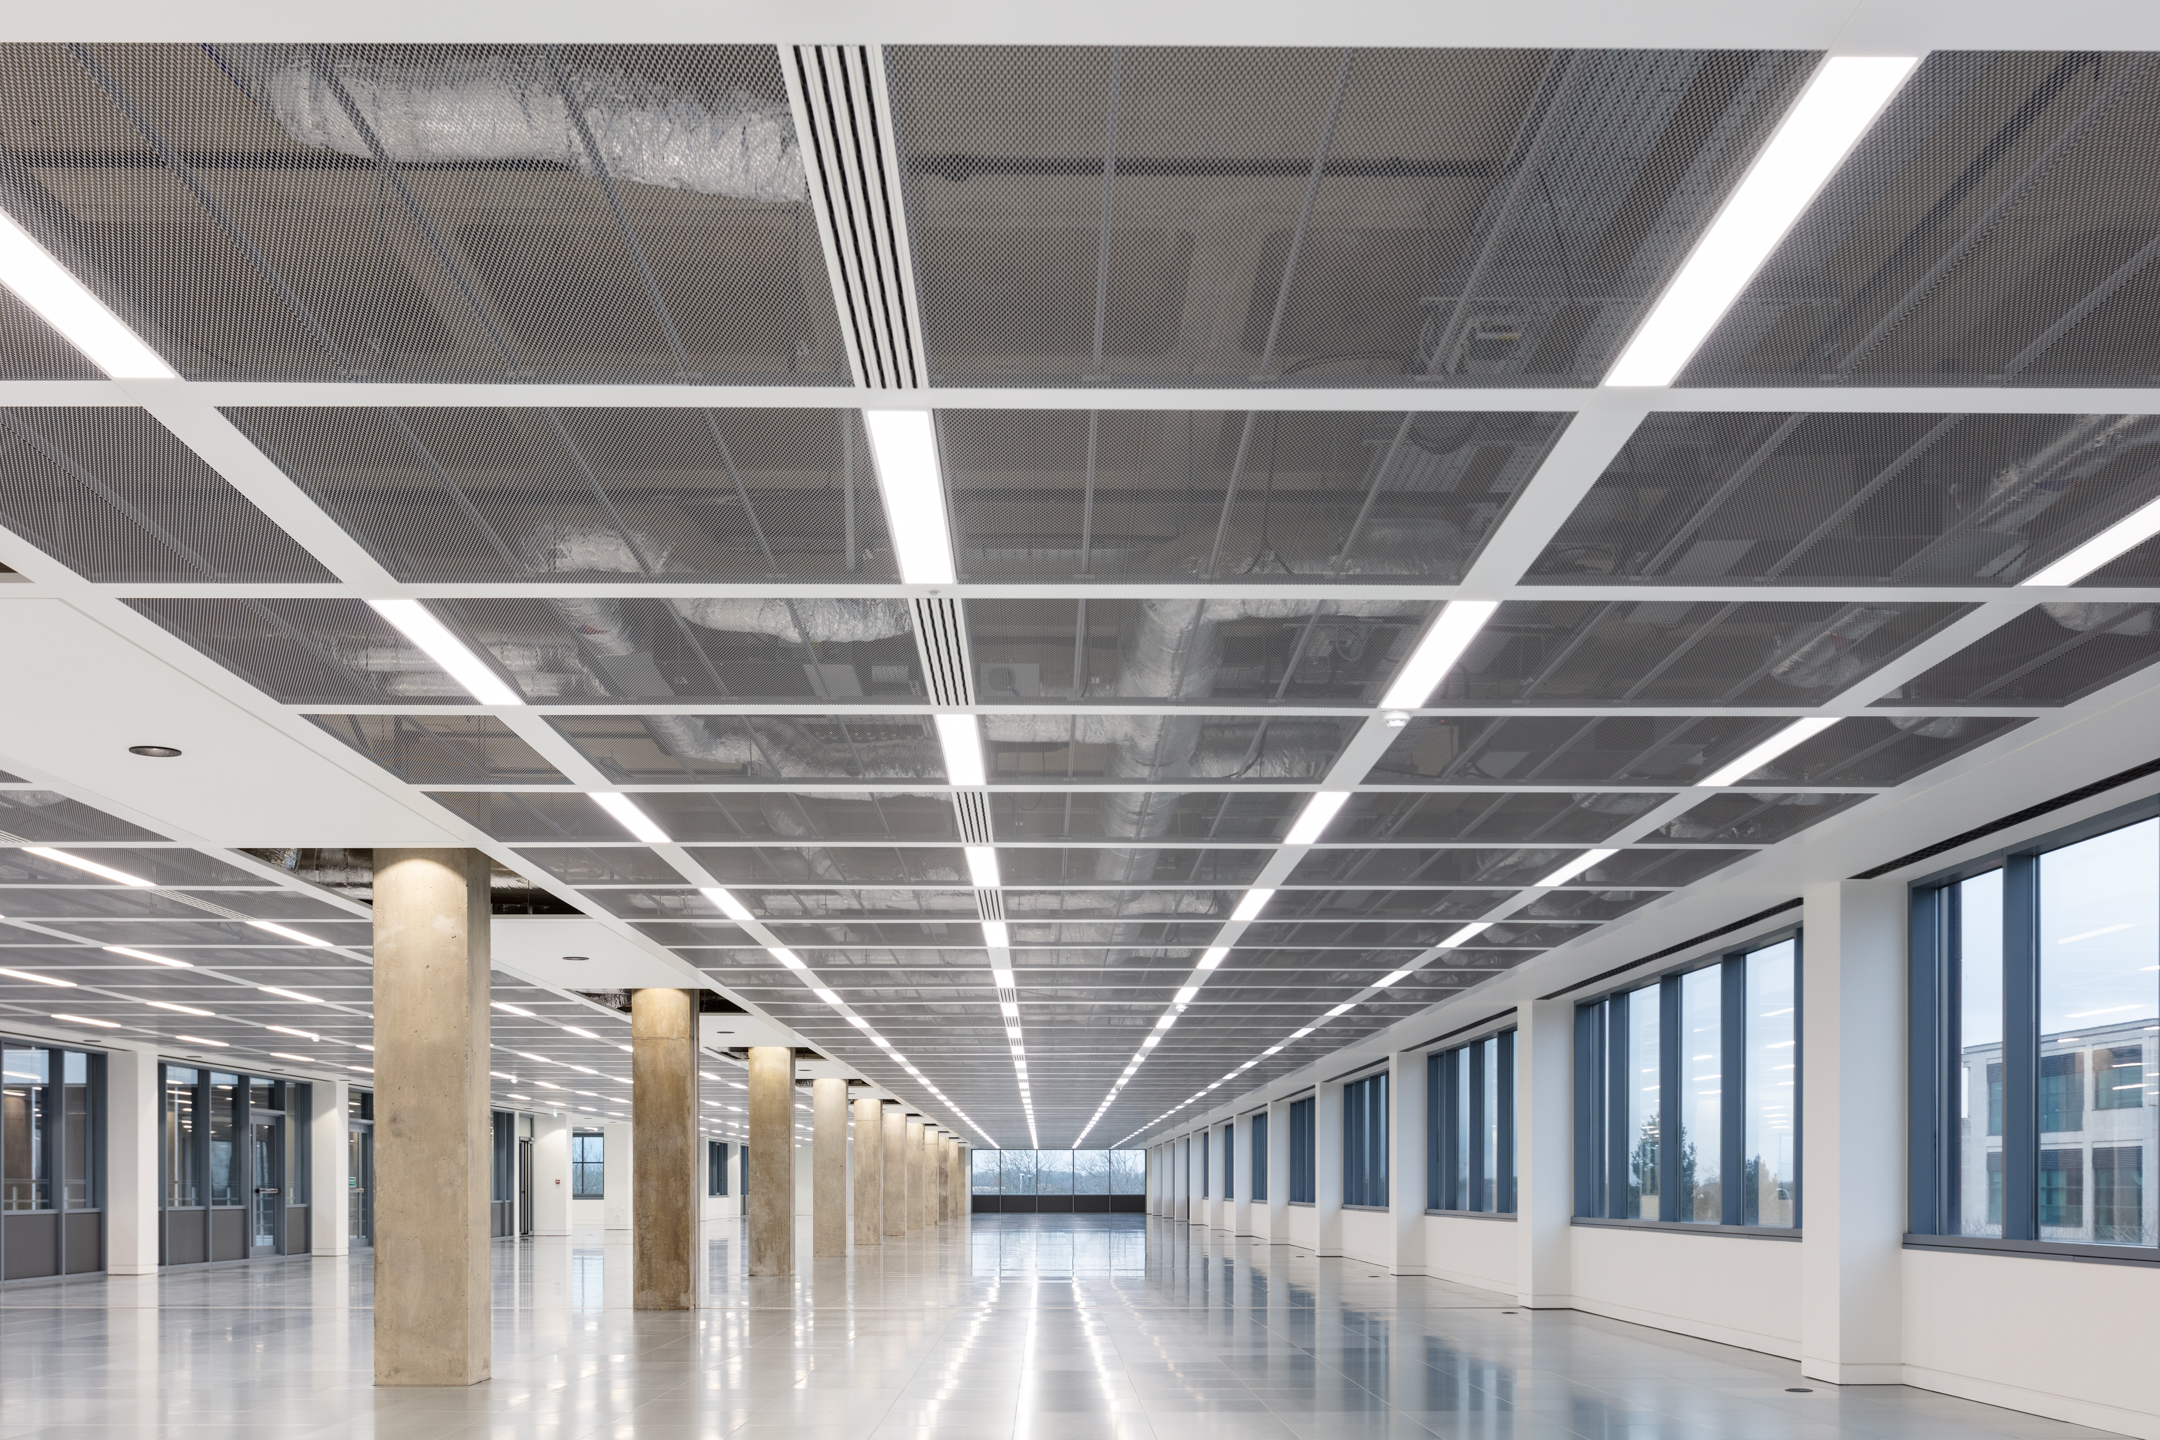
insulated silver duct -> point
(522, 105)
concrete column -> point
(933, 1143)
(771, 1201)
(1406, 1160)
(912, 1147)
(131, 1162)
(618, 1175)
(1852, 1184)
(963, 1180)
(869, 1146)
(664, 1188)
(946, 1148)
(828, 1166)
(1544, 1153)
(1241, 1165)
(432, 1143)
(894, 1218)
(551, 1175)
(329, 1168)
(1327, 1170)
(1278, 1172)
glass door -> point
(359, 1186)
(266, 1152)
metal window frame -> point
(1444, 1073)
(1257, 1188)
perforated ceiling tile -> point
(443, 749)
(1886, 499)
(1868, 751)
(2049, 655)
(109, 493)
(308, 652)
(165, 867)
(706, 749)
(498, 212)
(29, 350)
(1248, 648)
(1709, 652)
(1993, 226)
(767, 815)
(1074, 865)
(628, 496)
(852, 864)
(1254, 215)
(46, 817)
(1233, 497)
(1558, 750)
(1178, 817)
(1739, 816)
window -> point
(716, 1167)
(1229, 1161)
(1365, 1141)
(1687, 1096)
(49, 1143)
(181, 1138)
(1258, 1188)
(1470, 1126)
(1200, 1160)
(504, 1169)
(1058, 1172)
(2036, 1007)
(588, 1165)
(1302, 1142)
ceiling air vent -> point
(972, 808)
(991, 904)
(941, 642)
(843, 122)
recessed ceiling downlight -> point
(155, 752)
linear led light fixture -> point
(290, 934)
(1577, 865)
(182, 1009)
(1314, 818)
(146, 955)
(786, 957)
(86, 1020)
(630, 817)
(1213, 956)
(1003, 979)
(982, 863)
(416, 623)
(962, 744)
(290, 994)
(1465, 935)
(67, 305)
(507, 1008)
(1437, 651)
(2125, 534)
(310, 1060)
(903, 446)
(303, 1034)
(53, 980)
(1251, 904)
(1770, 749)
(1830, 116)
(731, 907)
(1381, 984)
(997, 934)
(46, 852)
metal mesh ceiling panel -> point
(1420, 866)
(1187, 817)
(769, 815)
(308, 652)
(112, 495)
(621, 865)
(443, 749)
(167, 868)
(716, 748)
(457, 493)
(1725, 652)
(1494, 817)
(1994, 225)
(1738, 817)
(1251, 215)
(1062, 865)
(1251, 648)
(45, 817)
(1557, 750)
(855, 864)
(1883, 499)
(1235, 497)
(2049, 655)
(29, 350)
(430, 212)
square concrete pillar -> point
(1852, 1069)
(1406, 1161)
(551, 1175)
(828, 1169)
(912, 1145)
(869, 1147)
(664, 1152)
(330, 1168)
(771, 1201)
(433, 1142)
(895, 1186)
(131, 1162)
(1544, 1153)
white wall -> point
(1368, 1235)
(1730, 1288)
(1471, 1252)
(1304, 1227)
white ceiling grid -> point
(1244, 367)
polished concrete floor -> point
(1028, 1327)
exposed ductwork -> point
(524, 105)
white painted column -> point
(551, 1175)
(1152, 1173)
(1544, 1153)
(131, 1162)
(330, 1168)
(1211, 1212)
(1241, 1201)
(1406, 1161)
(1181, 1178)
(1278, 1172)
(615, 1175)
(1852, 1177)
(1327, 1170)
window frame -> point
(1304, 1144)
(1600, 1155)
(1441, 1127)
(1256, 1187)
(1365, 1142)
(1933, 1003)
(577, 1165)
